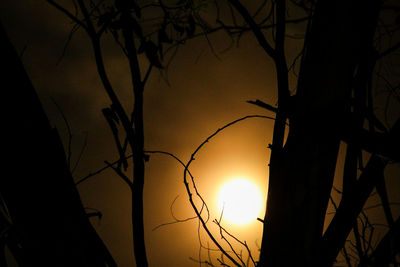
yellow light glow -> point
(240, 201)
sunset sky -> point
(204, 93)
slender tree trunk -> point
(301, 175)
(48, 219)
(137, 144)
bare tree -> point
(149, 28)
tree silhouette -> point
(42, 219)
(122, 18)
(333, 102)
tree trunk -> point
(301, 175)
(44, 205)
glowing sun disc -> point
(240, 200)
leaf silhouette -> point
(191, 26)
(151, 51)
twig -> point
(244, 244)
(80, 154)
(176, 220)
(120, 173)
(69, 153)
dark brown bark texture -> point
(301, 174)
(49, 223)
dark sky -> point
(205, 93)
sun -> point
(239, 201)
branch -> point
(68, 14)
(112, 119)
(103, 74)
(254, 27)
(388, 51)
(223, 128)
(190, 194)
(80, 154)
(244, 244)
(176, 220)
(221, 229)
(263, 105)
(100, 170)
(280, 26)
(120, 173)
(69, 153)
(382, 192)
(349, 208)
(388, 247)
(385, 144)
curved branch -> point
(190, 194)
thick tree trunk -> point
(47, 215)
(301, 174)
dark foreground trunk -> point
(301, 173)
(49, 226)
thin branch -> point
(254, 27)
(120, 173)
(221, 230)
(100, 170)
(176, 220)
(244, 244)
(380, 205)
(146, 76)
(263, 105)
(103, 74)
(80, 154)
(388, 51)
(73, 30)
(112, 120)
(346, 256)
(69, 153)
(68, 14)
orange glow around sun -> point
(240, 201)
